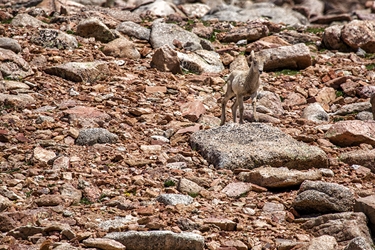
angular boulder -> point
(252, 145)
(201, 61)
(134, 30)
(13, 66)
(55, 39)
(165, 33)
(257, 10)
(165, 59)
(323, 197)
(343, 226)
(366, 205)
(351, 133)
(332, 38)
(92, 27)
(360, 34)
(286, 57)
(364, 158)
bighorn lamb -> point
(240, 84)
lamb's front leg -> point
(240, 103)
(223, 105)
(234, 110)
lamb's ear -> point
(252, 55)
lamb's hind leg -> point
(223, 105)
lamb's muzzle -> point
(242, 84)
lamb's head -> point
(256, 63)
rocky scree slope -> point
(98, 123)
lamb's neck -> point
(252, 76)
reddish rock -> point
(349, 133)
(251, 32)
(236, 189)
(201, 30)
(4, 135)
(42, 155)
(92, 193)
(190, 129)
(165, 59)
(49, 200)
(223, 224)
(350, 88)
(123, 48)
(193, 110)
(267, 42)
(366, 91)
(156, 89)
(147, 211)
(294, 99)
(21, 137)
(85, 113)
(360, 34)
(236, 244)
(61, 162)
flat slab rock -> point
(80, 71)
(270, 177)
(155, 240)
(253, 145)
(365, 158)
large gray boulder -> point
(155, 240)
(259, 10)
(358, 243)
(27, 20)
(167, 33)
(323, 197)
(201, 61)
(10, 43)
(13, 66)
(134, 30)
(92, 136)
(52, 38)
(286, 57)
(93, 27)
(252, 145)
